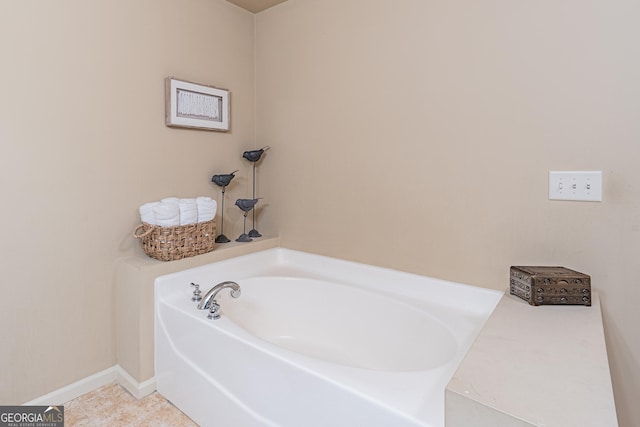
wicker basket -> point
(181, 241)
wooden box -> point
(550, 286)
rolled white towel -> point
(172, 200)
(146, 213)
(188, 211)
(167, 214)
(207, 208)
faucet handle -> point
(214, 311)
(196, 293)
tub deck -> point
(535, 366)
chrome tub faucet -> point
(209, 300)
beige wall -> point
(413, 134)
(83, 144)
(418, 135)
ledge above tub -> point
(535, 366)
(221, 252)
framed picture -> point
(193, 105)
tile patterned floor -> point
(111, 405)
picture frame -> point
(196, 106)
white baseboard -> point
(138, 390)
(92, 382)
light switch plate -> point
(575, 185)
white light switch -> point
(575, 185)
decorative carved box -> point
(550, 286)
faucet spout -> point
(209, 300)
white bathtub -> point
(313, 341)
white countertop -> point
(535, 366)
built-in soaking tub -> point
(313, 341)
